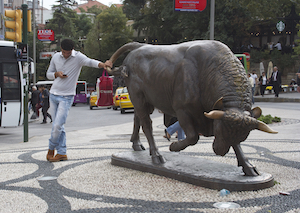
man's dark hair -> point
(67, 44)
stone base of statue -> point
(194, 170)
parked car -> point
(125, 102)
(93, 99)
(116, 98)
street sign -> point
(46, 55)
(280, 26)
(46, 35)
(190, 5)
(247, 56)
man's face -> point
(66, 53)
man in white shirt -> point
(251, 80)
(256, 86)
(278, 46)
(64, 69)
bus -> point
(11, 86)
(81, 90)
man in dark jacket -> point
(35, 100)
(298, 80)
(276, 80)
(45, 103)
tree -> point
(234, 19)
(109, 32)
(63, 24)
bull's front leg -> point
(157, 158)
(248, 168)
(135, 137)
(192, 136)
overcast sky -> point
(48, 3)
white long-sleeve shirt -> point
(71, 67)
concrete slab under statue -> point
(194, 170)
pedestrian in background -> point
(263, 83)
(275, 80)
(64, 69)
(175, 128)
(45, 103)
(251, 80)
(298, 80)
(35, 101)
(256, 86)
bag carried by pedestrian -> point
(105, 90)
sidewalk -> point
(283, 97)
(87, 182)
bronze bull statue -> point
(201, 83)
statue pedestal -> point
(194, 170)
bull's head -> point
(233, 126)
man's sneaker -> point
(58, 157)
(50, 154)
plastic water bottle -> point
(224, 192)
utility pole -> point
(25, 43)
(34, 42)
(2, 20)
(212, 19)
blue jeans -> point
(60, 106)
(176, 128)
(252, 93)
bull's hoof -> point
(250, 170)
(138, 146)
(158, 159)
(177, 146)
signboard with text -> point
(190, 5)
(46, 55)
(46, 35)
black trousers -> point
(46, 114)
(276, 88)
(262, 89)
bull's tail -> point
(125, 48)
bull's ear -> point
(124, 71)
(256, 112)
(218, 104)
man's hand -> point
(60, 74)
(108, 63)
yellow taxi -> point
(125, 102)
(93, 99)
(116, 98)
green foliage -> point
(63, 24)
(268, 119)
(109, 32)
(282, 61)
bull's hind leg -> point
(135, 137)
(146, 122)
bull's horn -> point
(265, 128)
(109, 70)
(215, 114)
